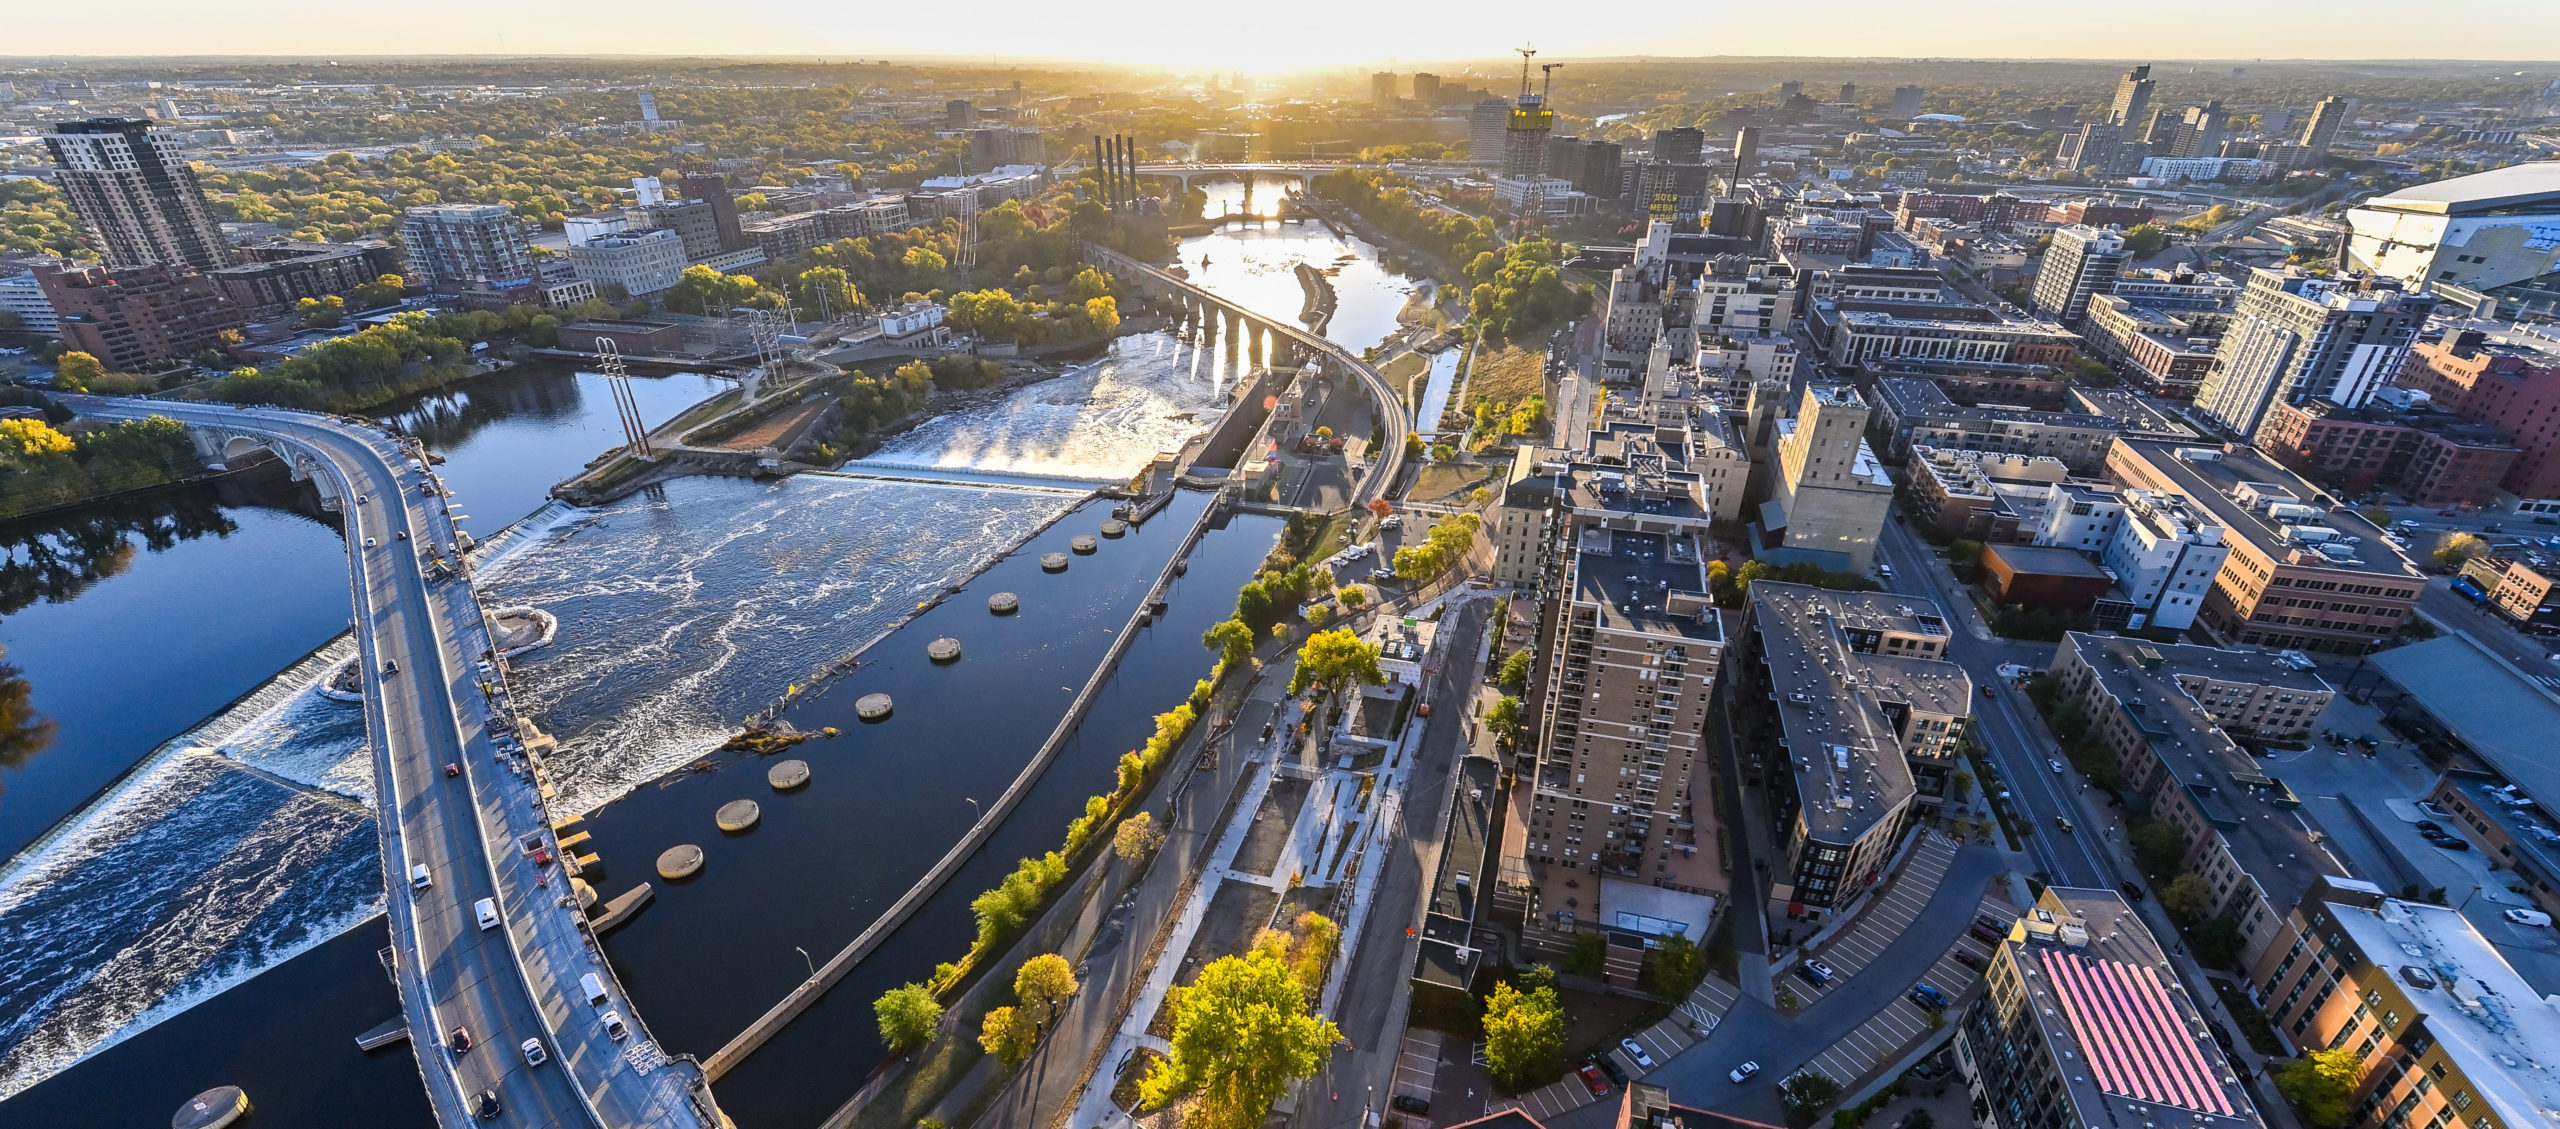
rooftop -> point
(2505, 718)
(2133, 413)
(2257, 816)
(2483, 1014)
(2534, 185)
(2281, 515)
(1649, 583)
(2105, 999)
(2047, 560)
(1848, 761)
(1911, 397)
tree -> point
(2458, 547)
(1514, 678)
(1103, 313)
(1009, 1034)
(1136, 837)
(908, 1016)
(1241, 1035)
(1589, 954)
(1523, 1035)
(825, 292)
(2157, 846)
(1381, 507)
(1232, 639)
(1675, 968)
(2187, 898)
(2320, 1084)
(387, 289)
(76, 369)
(1043, 983)
(1353, 597)
(1805, 1093)
(25, 441)
(2145, 240)
(1503, 719)
(1334, 660)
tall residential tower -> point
(136, 197)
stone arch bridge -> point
(227, 447)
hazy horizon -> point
(1309, 35)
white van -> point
(420, 878)
(593, 986)
(486, 909)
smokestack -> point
(1101, 171)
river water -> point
(235, 847)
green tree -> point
(1589, 954)
(1514, 678)
(1334, 660)
(2157, 846)
(1523, 1036)
(1504, 718)
(1805, 1093)
(1136, 837)
(2188, 898)
(382, 291)
(75, 370)
(2321, 1083)
(2145, 240)
(1241, 1035)
(824, 292)
(1233, 640)
(1042, 984)
(1009, 1034)
(908, 1015)
(1675, 967)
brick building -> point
(2433, 458)
(2506, 377)
(272, 277)
(138, 319)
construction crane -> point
(1525, 53)
(1546, 80)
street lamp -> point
(804, 959)
(974, 806)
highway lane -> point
(503, 984)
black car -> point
(2427, 826)
(1407, 1103)
(2451, 844)
(486, 1106)
(2132, 889)
(1617, 1073)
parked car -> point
(2132, 889)
(1635, 1051)
(2055, 765)
(1592, 1081)
(2528, 917)
(1985, 932)
(2451, 843)
(1743, 1071)
(1821, 967)
(2429, 826)
(1610, 1067)
(1806, 973)
(1407, 1103)
(613, 1026)
(1928, 997)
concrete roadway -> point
(505, 984)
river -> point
(682, 609)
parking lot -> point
(1705, 1007)
(1882, 920)
(1893, 1031)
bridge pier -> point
(1261, 335)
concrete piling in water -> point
(1115, 528)
(1053, 562)
(872, 707)
(1004, 603)
(787, 775)
(681, 861)
(738, 815)
(1084, 543)
(943, 650)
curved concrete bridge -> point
(430, 702)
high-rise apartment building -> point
(2301, 337)
(1681, 145)
(1616, 807)
(2094, 150)
(959, 113)
(2082, 1021)
(1789, 91)
(1426, 89)
(2321, 131)
(1591, 165)
(1382, 88)
(1906, 101)
(455, 247)
(2083, 261)
(1488, 123)
(2197, 133)
(713, 189)
(2132, 105)
(136, 196)
(1848, 94)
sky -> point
(1296, 34)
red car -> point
(461, 1040)
(542, 858)
(452, 769)
(1592, 1081)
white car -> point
(1743, 1071)
(370, 542)
(486, 909)
(613, 1027)
(1636, 1051)
(2528, 917)
(420, 878)
(2057, 766)
(534, 1055)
